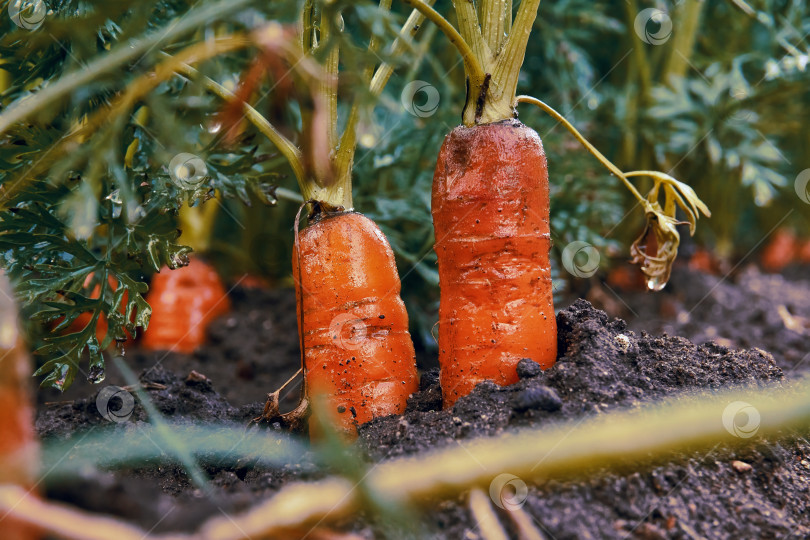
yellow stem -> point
(580, 448)
(496, 17)
(328, 88)
(471, 63)
(196, 224)
(290, 152)
(500, 103)
(470, 29)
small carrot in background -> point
(186, 300)
(18, 446)
(804, 252)
(780, 251)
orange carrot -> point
(18, 446)
(357, 351)
(491, 209)
(491, 216)
(780, 251)
(184, 301)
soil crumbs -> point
(760, 492)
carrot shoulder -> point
(491, 218)
(358, 353)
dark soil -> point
(603, 366)
(747, 309)
(250, 352)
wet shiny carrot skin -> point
(490, 209)
(184, 302)
(358, 353)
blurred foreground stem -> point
(619, 440)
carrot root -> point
(19, 451)
(491, 218)
(357, 351)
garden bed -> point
(761, 491)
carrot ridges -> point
(491, 217)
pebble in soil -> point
(602, 367)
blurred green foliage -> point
(721, 103)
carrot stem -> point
(470, 29)
(496, 18)
(472, 64)
(284, 145)
(348, 142)
(328, 87)
(500, 104)
(307, 27)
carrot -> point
(491, 216)
(491, 210)
(184, 301)
(804, 252)
(18, 446)
(780, 251)
(357, 351)
(704, 261)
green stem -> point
(21, 110)
(284, 145)
(348, 141)
(588, 146)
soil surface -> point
(604, 365)
(746, 309)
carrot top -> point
(322, 161)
